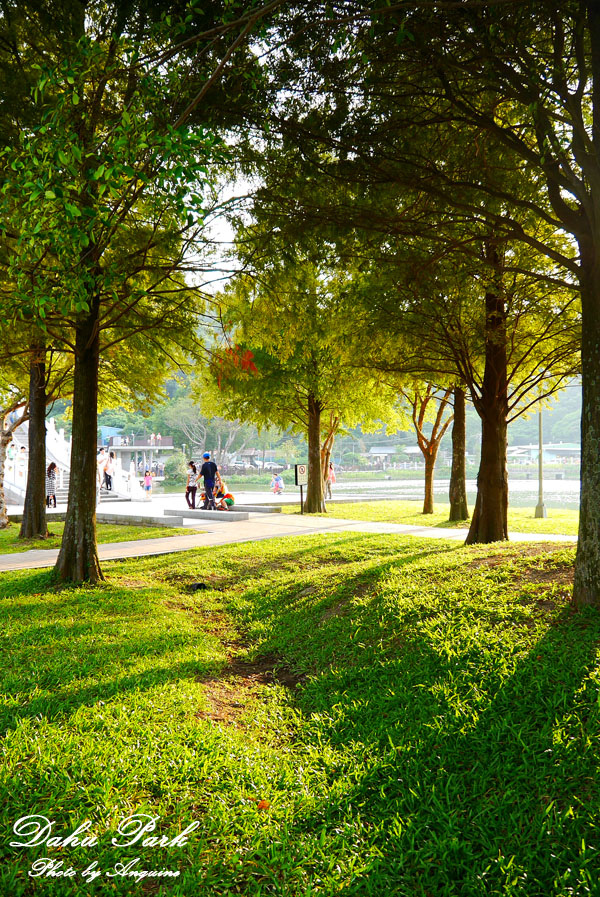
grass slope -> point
(107, 532)
(520, 520)
(343, 715)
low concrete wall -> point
(225, 516)
(50, 516)
(259, 509)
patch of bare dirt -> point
(548, 575)
(134, 583)
(229, 692)
(526, 550)
(336, 610)
(343, 607)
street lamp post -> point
(540, 508)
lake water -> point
(522, 492)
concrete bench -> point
(138, 519)
(225, 516)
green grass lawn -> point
(520, 520)
(107, 532)
(342, 714)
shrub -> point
(175, 468)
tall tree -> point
(50, 378)
(507, 335)
(288, 363)
(521, 77)
(105, 190)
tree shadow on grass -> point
(492, 791)
(63, 702)
(75, 648)
(319, 624)
(321, 549)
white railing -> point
(58, 447)
(15, 472)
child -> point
(224, 498)
(148, 485)
(277, 484)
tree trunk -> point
(458, 486)
(5, 440)
(315, 503)
(490, 517)
(430, 459)
(586, 586)
(34, 525)
(78, 557)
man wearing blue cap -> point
(209, 472)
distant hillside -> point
(561, 421)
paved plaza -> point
(257, 527)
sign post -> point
(301, 472)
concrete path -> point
(258, 527)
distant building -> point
(383, 454)
(382, 451)
(553, 451)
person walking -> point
(209, 472)
(51, 484)
(192, 485)
(101, 462)
(330, 479)
(109, 471)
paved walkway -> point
(258, 527)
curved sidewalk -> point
(257, 528)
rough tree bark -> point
(430, 459)
(78, 557)
(34, 524)
(490, 516)
(459, 509)
(586, 585)
(314, 503)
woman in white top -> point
(192, 485)
(109, 471)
